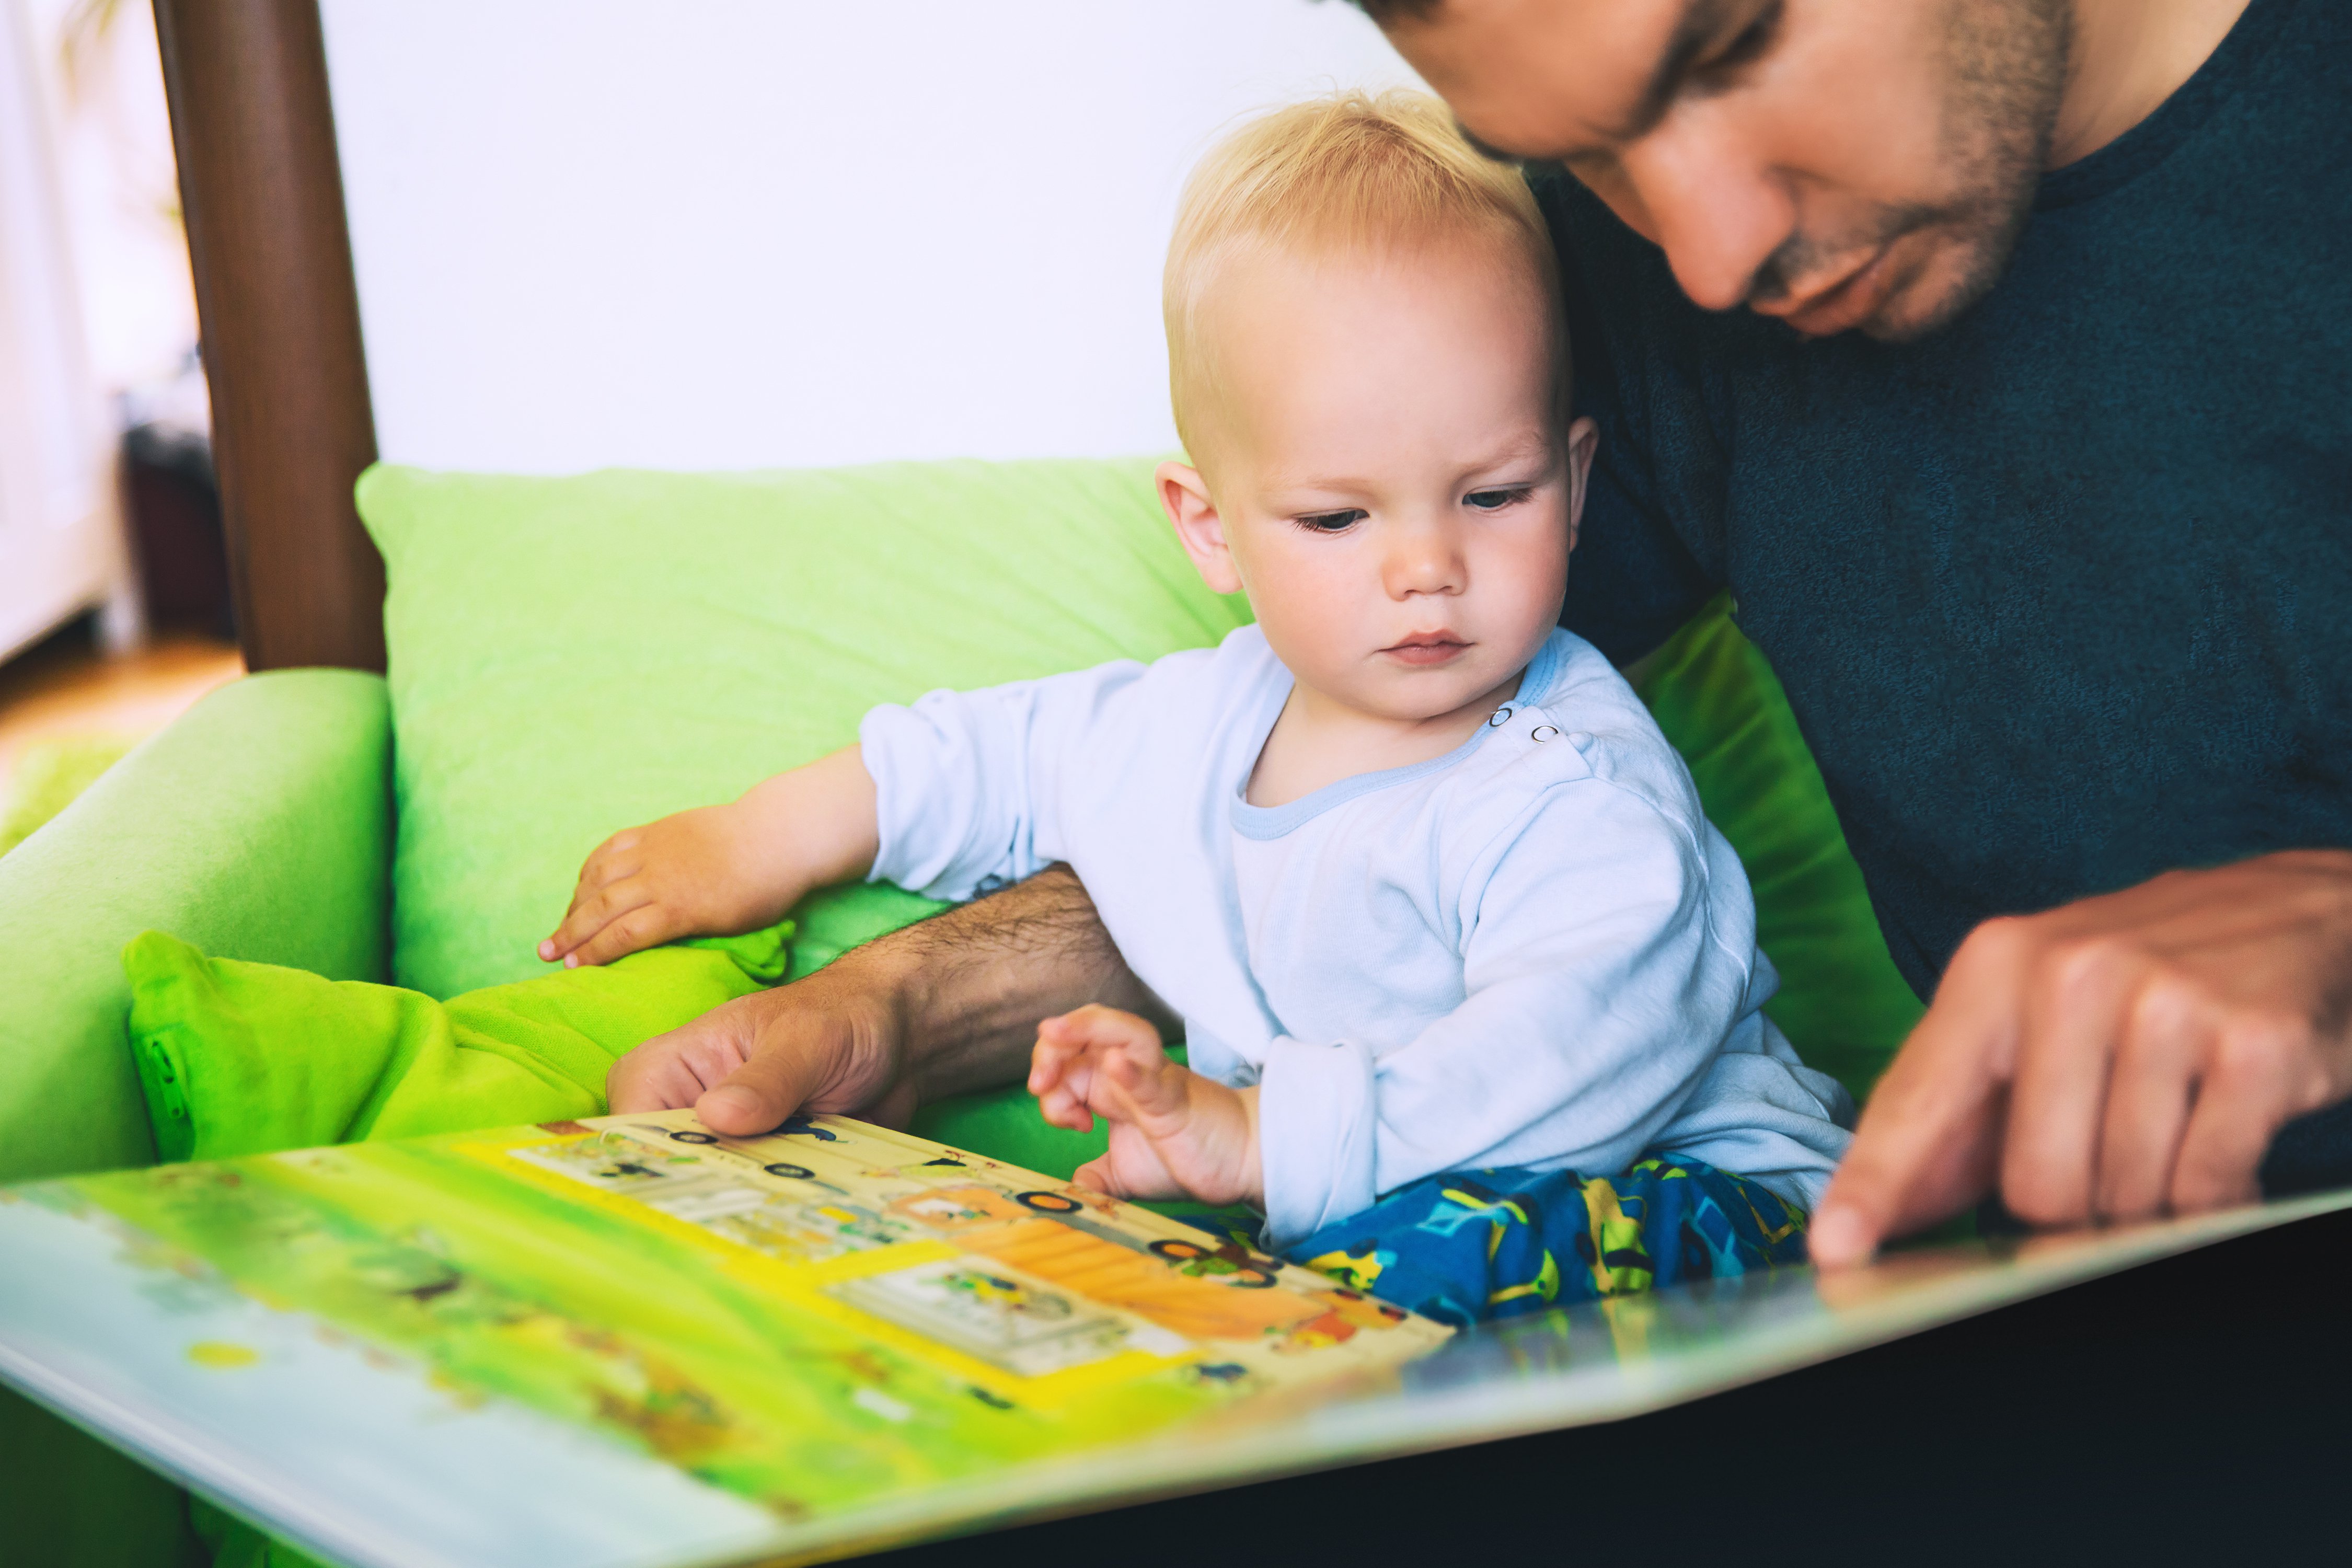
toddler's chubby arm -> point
(1173, 1133)
(719, 869)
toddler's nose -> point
(1423, 561)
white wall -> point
(61, 535)
(113, 142)
(738, 233)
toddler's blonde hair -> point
(1350, 172)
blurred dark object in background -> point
(172, 502)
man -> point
(1998, 355)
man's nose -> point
(1424, 559)
(1717, 211)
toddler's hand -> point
(1173, 1133)
(684, 875)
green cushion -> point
(571, 656)
(1842, 1003)
(247, 1058)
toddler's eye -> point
(1332, 521)
(1494, 500)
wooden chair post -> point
(293, 426)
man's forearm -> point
(971, 985)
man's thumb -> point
(757, 1097)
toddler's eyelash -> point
(1331, 522)
(1500, 497)
(1494, 499)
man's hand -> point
(687, 875)
(2113, 1058)
(941, 1007)
(1173, 1133)
(831, 1042)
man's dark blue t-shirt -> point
(2062, 595)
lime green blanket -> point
(247, 1058)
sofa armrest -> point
(258, 827)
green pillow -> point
(1842, 1003)
(571, 656)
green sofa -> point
(259, 827)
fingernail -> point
(547, 950)
(571, 961)
(1839, 1235)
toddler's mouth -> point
(1426, 648)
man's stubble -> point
(2004, 73)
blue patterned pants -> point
(1476, 1245)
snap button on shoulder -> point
(1543, 732)
(1498, 718)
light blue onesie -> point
(1534, 951)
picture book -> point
(631, 1342)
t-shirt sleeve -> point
(1601, 980)
(968, 784)
(1634, 578)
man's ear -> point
(1199, 528)
(1583, 439)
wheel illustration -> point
(687, 1135)
(1180, 1251)
(797, 1173)
(1048, 1202)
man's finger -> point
(656, 1076)
(2254, 1082)
(2149, 1093)
(2075, 993)
(1927, 1143)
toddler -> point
(1469, 985)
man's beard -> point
(2004, 73)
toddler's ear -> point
(1583, 437)
(1199, 528)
